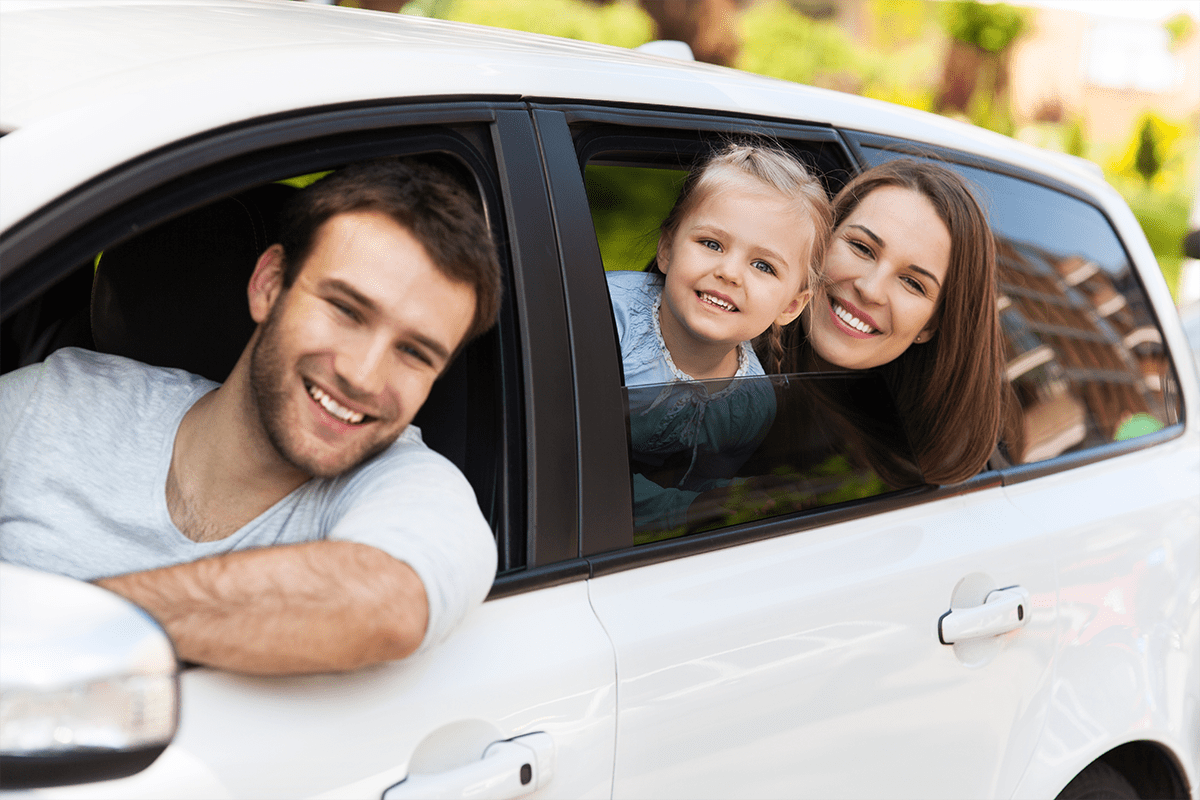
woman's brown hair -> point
(947, 390)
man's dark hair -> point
(431, 202)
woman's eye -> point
(915, 285)
(860, 247)
(763, 266)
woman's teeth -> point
(332, 406)
(851, 320)
(716, 301)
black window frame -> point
(494, 139)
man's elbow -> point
(393, 611)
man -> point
(288, 520)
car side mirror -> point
(1191, 244)
(89, 682)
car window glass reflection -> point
(710, 454)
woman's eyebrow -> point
(913, 267)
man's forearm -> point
(316, 607)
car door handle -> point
(1003, 610)
(512, 768)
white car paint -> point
(824, 641)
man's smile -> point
(336, 409)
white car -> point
(791, 654)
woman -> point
(910, 289)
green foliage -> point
(780, 42)
(622, 24)
(1179, 28)
(991, 27)
(628, 204)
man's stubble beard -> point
(269, 385)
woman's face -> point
(884, 271)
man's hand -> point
(314, 607)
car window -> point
(1084, 353)
(706, 455)
(174, 295)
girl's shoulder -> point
(630, 286)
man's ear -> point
(794, 308)
(266, 283)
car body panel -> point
(782, 667)
(805, 661)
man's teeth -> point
(716, 301)
(851, 320)
(332, 406)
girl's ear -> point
(266, 283)
(663, 255)
(794, 308)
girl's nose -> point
(729, 271)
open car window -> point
(711, 454)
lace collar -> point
(680, 375)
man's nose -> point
(362, 366)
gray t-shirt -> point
(85, 445)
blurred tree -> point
(1180, 28)
(1148, 160)
(708, 26)
(975, 76)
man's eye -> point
(763, 266)
(415, 352)
(344, 309)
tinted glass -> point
(1085, 355)
(709, 454)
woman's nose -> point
(870, 286)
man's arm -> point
(314, 607)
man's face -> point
(345, 357)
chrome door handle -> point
(508, 769)
(1003, 610)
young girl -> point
(738, 258)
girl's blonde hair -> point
(777, 169)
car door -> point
(796, 654)
(1109, 470)
(533, 664)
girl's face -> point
(736, 263)
(884, 271)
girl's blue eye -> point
(711, 245)
(763, 266)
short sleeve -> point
(15, 390)
(415, 505)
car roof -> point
(88, 85)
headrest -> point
(175, 296)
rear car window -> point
(1085, 356)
